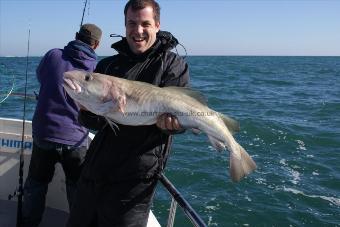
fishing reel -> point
(16, 193)
(167, 39)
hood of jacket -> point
(80, 54)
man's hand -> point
(169, 122)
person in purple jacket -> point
(57, 135)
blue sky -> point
(204, 27)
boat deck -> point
(52, 217)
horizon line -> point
(199, 55)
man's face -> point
(141, 29)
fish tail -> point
(241, 164)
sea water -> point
(289, 112)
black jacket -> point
(134, 151)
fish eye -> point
(88, 77)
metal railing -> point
(177, 198)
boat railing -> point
(177, 198)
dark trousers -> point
(123, 204)
(41, 170)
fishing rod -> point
(82, 18)
(21, 162)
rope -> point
(11, 90)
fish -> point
(138, 103)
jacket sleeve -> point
(42, 66)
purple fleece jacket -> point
(56, 115)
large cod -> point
(137, 103)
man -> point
(120, 171)
(57, 135)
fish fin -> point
(189, 92)
(231, 124)
(240, 165)
(196, 131)
(218, 145)
(112, 125)
(118, 99)
(113, 103)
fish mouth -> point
(69, 83)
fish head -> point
(96, 92)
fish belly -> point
(136, 115)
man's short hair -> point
(141, 4)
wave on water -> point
(292, 172)
(333, 200)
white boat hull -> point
(10, 147)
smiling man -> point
(141, 28)
(121, 168)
